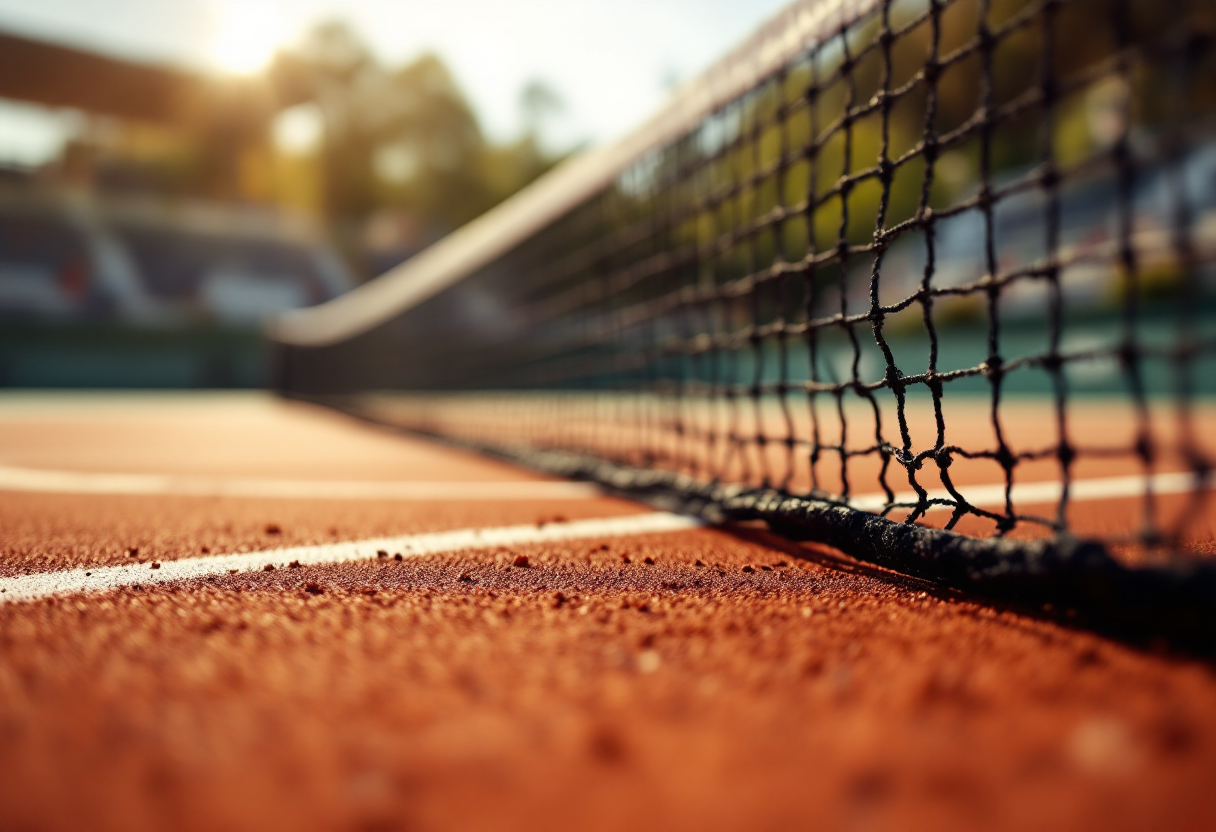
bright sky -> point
(611, 61)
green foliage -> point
(407, 139)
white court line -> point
(1032, 493)
(79, 482)
(75, 482)
(102, 578)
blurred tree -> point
(539, 102)
(510, 166)
(335, 69)
(434, 148)
(405, 140)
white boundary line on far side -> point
(101, 578)
(81, 482)
(78, 482)
(1040, 493)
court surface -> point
(540, 656)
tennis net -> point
(925, 280)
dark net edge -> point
(1078, 581)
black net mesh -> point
(951, 264)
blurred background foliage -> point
(403, 155)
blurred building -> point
(148, 252)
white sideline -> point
(101, 578)
(1032, 493)
(78, 482)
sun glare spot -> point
(249, 34)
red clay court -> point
(694, 678)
